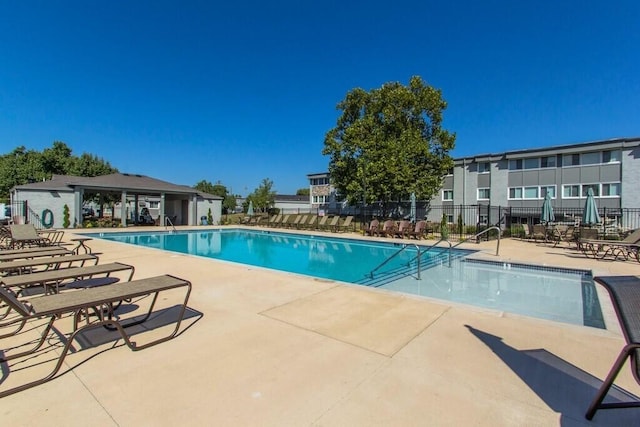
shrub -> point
(66, 222)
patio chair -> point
(418, 231)
(625, 297)
(403, 229)
(345, 225)
(274, 220)
(627, 248)
(372, 228)
(53, 280)
(388, 229)
(283, 221)
(294, 223)
(52, 307)
(24, 235)
(54, 236)
(311, 222)
(333, 224)
(539, 233)
(28, 253)
(45, 263)
(322, 223)
(302, 223)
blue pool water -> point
(563, 295)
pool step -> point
(402, 272)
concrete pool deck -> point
(266, 348)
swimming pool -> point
(563, 295)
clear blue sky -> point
(240, 91)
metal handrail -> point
(404, 246)
(168, 220)
(433, 246)
(480, 234)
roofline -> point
(555, 149)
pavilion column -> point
(78, 196)
(123, 209)
(162, 209)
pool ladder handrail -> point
(480, 234)
(168, 220)
(444, 239)
(404, 246)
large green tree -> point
(262, 197)
(389, 142)
(22, 166)
(228, 202)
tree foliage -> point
(228, 200)
(389, 143)
(302, 192)
(262, 197)
(22, 166)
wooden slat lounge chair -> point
(45, 263)
(53, 279)
(24, 235)
(625, 296)
(29, 253)
(418, 231)
(372, 228)
(388, 229)
(54, 306)
(403, 229)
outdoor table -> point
(81, 244)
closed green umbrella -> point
(250, 210)
(412, 212)
(547, 210)
(590, 213)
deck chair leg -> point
(608, 382)
(43, 337)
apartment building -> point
(520, 179)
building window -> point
(531, 193)
(515, 193)
(571, 160)
(484, 167)
(319, 199)
(447, 195)
(549, 189)
(548, 162)
(611, 156)
(319, 181)
(586, 187)
(154, 204)
(532, 163)
(611, 190)
(570, 191)
(484, 194)
(515, 164)
(590, 158)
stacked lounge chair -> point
(80, 291)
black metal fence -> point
(465, 221)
